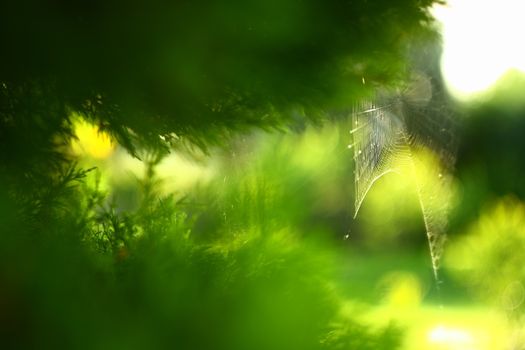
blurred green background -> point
(141, 209)
(256, 245)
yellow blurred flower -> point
(91, 142)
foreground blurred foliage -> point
(488, 260)
(201, 70)
(490, 256)
(94, 277)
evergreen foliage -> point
(199, 70)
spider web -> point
(410, 132)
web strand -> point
(399, 132)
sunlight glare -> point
(481, 42)
(451, 337)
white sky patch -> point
(482, 39)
